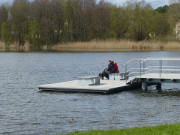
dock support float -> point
(158, 86)
(144, 86)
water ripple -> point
(25, 110)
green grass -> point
(173, 129)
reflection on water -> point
(25, 110)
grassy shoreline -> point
(98, 46)
(173, 129)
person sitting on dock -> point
(116, 67)
(111, 69)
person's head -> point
(109, 61)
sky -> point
(154, 3)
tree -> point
(19, 16)
(162, 9)
(49, 22)
(160, 24)
(5, 34)
(114, 21)
(33, 34)
(140, 20)
(58, 20)
(71, 12)
(3, 14)
(173, 14)
(102, 29)
(118, 22)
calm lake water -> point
(25, 110)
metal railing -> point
(151, 65)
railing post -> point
(144, 67)
(126, 71)
(160, 66)
(140, 68)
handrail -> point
(131, 60)
(160, 68)
(149, 69)
(148, 59)
(164, 58)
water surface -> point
(25, 110)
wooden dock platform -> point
(105, 87)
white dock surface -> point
(162, 76)
(73, 86)
(109, 86)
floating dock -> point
(146, 72)
(105, 87)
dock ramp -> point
(153, 71)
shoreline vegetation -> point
(96, 46)
(88, 26)
(173, 129)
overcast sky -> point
(154, 3)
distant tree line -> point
(49, 22)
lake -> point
(26, 110)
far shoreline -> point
(96, 46)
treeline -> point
(50, 22)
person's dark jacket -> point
(111, 68)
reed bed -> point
(98, 46)
(2, 46)
(172, 46)
(14, 47)
(117, 46)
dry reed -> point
(100, 46)
(117, 46)
(14, 47)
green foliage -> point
(173, 14)
(19, 16)
(5, 34)
(158, 130)
(3, 14)
(161, 20)
(114, 20)
(162, 9)
(71, 10)
(140, 23)
(49, 22)
(33, 35)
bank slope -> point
(173, 129)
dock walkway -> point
(153, 71)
